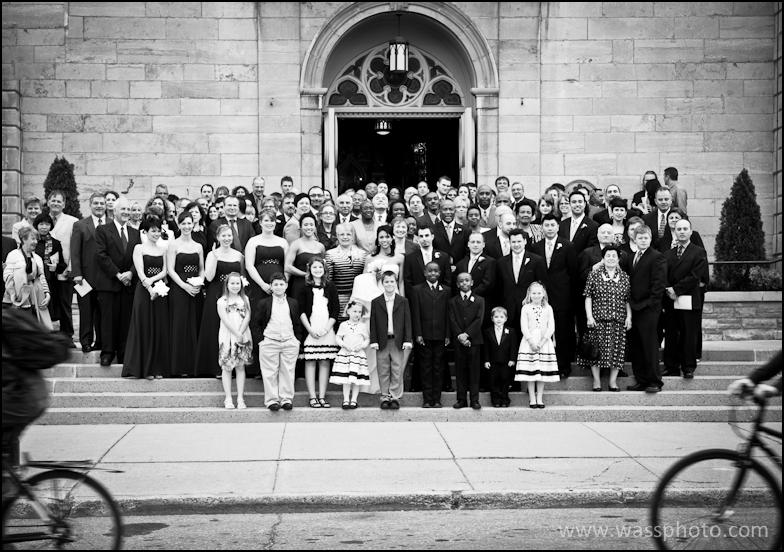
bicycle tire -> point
(682, 490)
(86, 516)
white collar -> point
(118, 225)
(389, 298)
(576, 221)
(465, 295)
(96, 219)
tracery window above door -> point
(368, 82)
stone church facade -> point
(182, 93)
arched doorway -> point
(437, 30)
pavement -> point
(300, 467)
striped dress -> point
(537, 322)
(351, 366)
(342, 267)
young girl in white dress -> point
(350, 368)
(235, 345)
(536, 362)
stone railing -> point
(741, 315)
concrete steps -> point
(83, 392)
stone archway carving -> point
(478, 50)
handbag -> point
(587, 348)
(42, 313)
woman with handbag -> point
(609, 317)
(25, 281)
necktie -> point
(662, 224)
(679, 252)
(516, 266)
(471, 264)
(637, 258)
(100, 221)
(449, 232)
(465, 298)
(237, 245)
(426, 256)
(123, 237)
(549, 253)
(505, 245)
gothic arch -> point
(461, 26)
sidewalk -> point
(220, 468)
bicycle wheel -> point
(84, 513)
(717, 500)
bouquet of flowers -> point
(196, 281)
(159, 289)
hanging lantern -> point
(383, 127)
(398, 51)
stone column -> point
(777, 138)
(12, 154)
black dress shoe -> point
(385, 405)
(437, 405)
(671, 373)
(652, 389)
(120, 359)
(496, 405)
(86, 348)
(427, 405)
(636, 387)
(564, 375)
(287, 406)
(106, 359)
(394, 405)
(448, 389)
(505, 405)
(460, 404)
(688, 375)
(622, 374)
(274, 407)
(475, 405)
(540, 405)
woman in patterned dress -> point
(609, 316)
(344, 263)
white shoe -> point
(228, 404)
(241, 404)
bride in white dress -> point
(367, 286)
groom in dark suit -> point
(561, 261)
(115, 280)
(578, 229)
(414, 265)
(515, 272)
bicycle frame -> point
(22, 489)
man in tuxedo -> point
(687, 274)
(430, 216)
(84, 266)
(484, 200)
(481, 268)
(497, 242)
(241, 228)
(656, 220)
(414, 265)
(115, 280)
(344, 209)
(605, 215)
(287, 209)
(562, 276)
(448, 235)
(442, 187)
(648, 276)
(578, 229)
(466, 312)
(515, 272)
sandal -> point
(314, 403)
(346, 405)
(324, 403)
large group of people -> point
(244, 283)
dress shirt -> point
(450, 228)
(503, 239)
(280, 327)
(427, 255)
(499, 331)
(485, 213)
(517, 262)
(466, 296)
(575, 226)
(381, 218)
(472, 260)
(390, 300)
(122, 230)
(549, 247)
(662, 223)
(637, 257)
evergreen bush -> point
(61, 177)
(740, 236)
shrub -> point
(61, 177)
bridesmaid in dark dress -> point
(185, 259)
(300, 252)
(147, 349)
(199, 232)
(219, 264)
(265, 255)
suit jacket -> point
(84, 262)
(503, 352)
(665, 244)
(305, 300)
(524, 201)
(244, 229)
(684, 275)
(483, 274)
(466, 317)
(425, 221)
(652, 221)
(562, 274)
(414, 269)
(648, 280)
(490, 221)
(493, 244)
(401, 322)
(112, 258)
(280, 223)
(430, 311)
(585, 236)
(457, 247)
(510, 292)
(263, 312)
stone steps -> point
(76, 416)
(164, 399)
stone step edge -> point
(408, 394)
(384, 501)
(217, 381)
(609, 408)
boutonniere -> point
(583, 226)
(457, 229)
(436, 255)
(559, 246)
(506, 331)
(527, 260)
(471, 298)
(480, 259)
(440, 288)
(245, 282)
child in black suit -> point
(500, 357)
(465, 321)
(430, 319)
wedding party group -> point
(481, 283)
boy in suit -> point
(500, 354)
(430, 319)
(278, 321)
(414, 265)
(465, 321)
(390, 335)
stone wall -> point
(137, 94)
(777, 139)
(741, 316)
